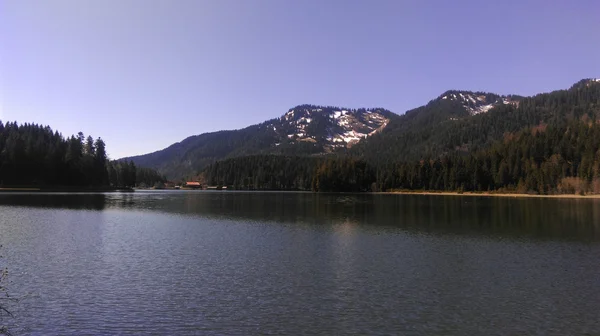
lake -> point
(236, 263)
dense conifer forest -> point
(272, 172)
(36, 156)
(545, 144)
(540, 160)
(443, 127)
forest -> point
(273, 172)
(545, 144)
(444, 127)
(539, 160)
(36, 156)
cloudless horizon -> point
(145, 74)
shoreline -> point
(63, 189)
(407, 192)
(472, 194)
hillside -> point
(445, 126)
(303, 130)
(548, 143)
(456, 122)
(282, 172)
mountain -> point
(454, 122)
(425, 131)
(585, 83)
(302, 130)
(545, 144)
(477, 102)
(329, 127)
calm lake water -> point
(227, 263)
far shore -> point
(487, 194)
(403, 192)
(64, 189)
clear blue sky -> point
(144, 74)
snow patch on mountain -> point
(333, 128)
(476, 103)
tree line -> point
(35, 155)
(274, 172)
(543, 160)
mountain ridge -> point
(546, 144)
(429, 130)
(443, 126)
(303, 130)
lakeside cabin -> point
(193, 185)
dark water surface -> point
(226, 263)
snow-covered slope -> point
(329, 127)
(476, 102)
(303, 130)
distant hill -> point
(454, 122)
(303, 130)
(460, 141)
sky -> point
(143, 74)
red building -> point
(194, 185)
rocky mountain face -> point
(328, 128)
(477, 102)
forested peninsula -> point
(35, 157)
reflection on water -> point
(234, 263)
(87, 201)
(577, 219)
